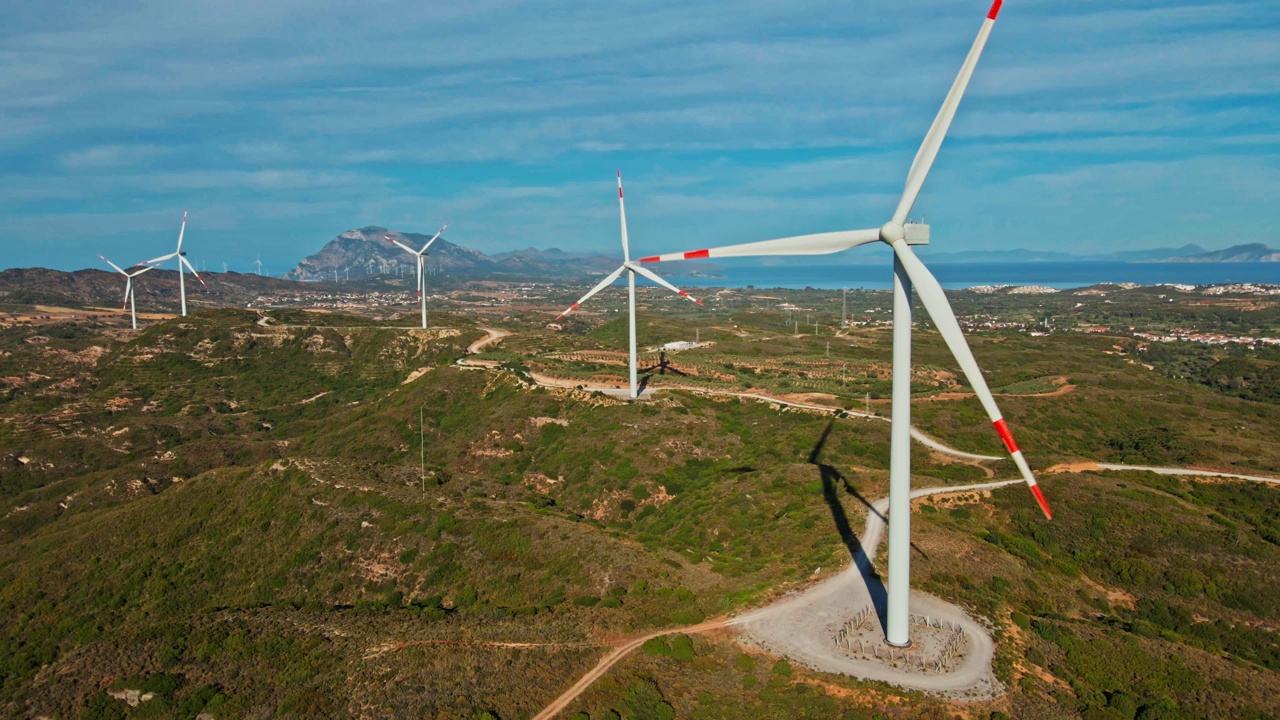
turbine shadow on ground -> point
(830, 477)
(830, 495)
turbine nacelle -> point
(913, 233)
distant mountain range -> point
(366, 253)
(1254, 252)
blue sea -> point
(879, 275)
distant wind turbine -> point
(128, 287)
(420, 256)
(258, 263)
(182, 261)
(631, 270)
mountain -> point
(366, 252)
(1253, 252)
(1158, 254)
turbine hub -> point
(891, 231)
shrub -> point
(656, 646)
(682, 647)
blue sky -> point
(1089, 126)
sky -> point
(1088, 127)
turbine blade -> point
(160, 259)
(622, 212)
(117, 267)
(654, 277)
(819, 244)
(421, 279)
(182, 231)
(938, 131)
(400, 245)
(128, 286)
(186, 262)
(433, 238)
(935, 302)
(603, 284)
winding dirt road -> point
(612, 657)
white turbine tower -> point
(128, 287)
(258, 264)
(907, 269)
(631, 270)
(420, 256)
(182, 261)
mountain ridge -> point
(1251, 252)
(364, 252)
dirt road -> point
(612, 657)
(492, 335)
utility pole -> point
(844, 307)
(422, 449)
(697, 335)
(868, 403)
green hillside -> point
(230, 513)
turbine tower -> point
(900, 235)
(258, 263)
(420, 256)
(182, 261)
(128, 287)
(631, 270)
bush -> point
(656, 646)
(682, 647)
(643, 701)
(782, 668)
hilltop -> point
(365, 252)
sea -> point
(955, 276)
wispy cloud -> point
(281, 124)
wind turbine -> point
(420, 255)
(182, 260)
(128, 287)
(900, 235)
(258, 263)
(631, 270)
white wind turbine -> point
(907, 269)
(631, 270)
(128, 286)
(182, 261)
(421, 256)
